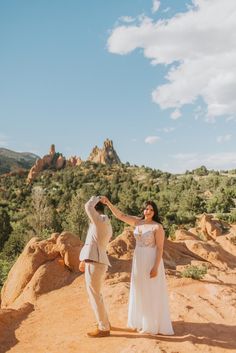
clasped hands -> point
(103, 199)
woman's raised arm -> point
(131, 220)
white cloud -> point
(224, 160)
(176, 114)
(224, 138)
(155, 5)
(127, 19)
(200, 47)
(151, 139)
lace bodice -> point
(145, 235)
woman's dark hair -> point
(155, 217)
(99, 207)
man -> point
(94, 262)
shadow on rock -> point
(209, 334)
(10, 320)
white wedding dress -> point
(148, 300)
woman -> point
(148, 300)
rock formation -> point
(123, 246)
(74, 161)
(210, 227)
(211, 240)
(207, 228)
(51, 160)
(182, 234)
(105, 155)
(43, 266)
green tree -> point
(76, 220)
(5, 227)
(5, 267)
(201, 171)
(41, 216)
(221, 202)
(13, 246)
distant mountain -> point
(11, 161)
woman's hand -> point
(153, 272)
(82, 266)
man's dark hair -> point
(99, 207)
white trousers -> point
(94, 278)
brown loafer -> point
(98, 333)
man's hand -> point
(153, 272)
(104, 200)
(82, 266)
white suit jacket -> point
(98, 236)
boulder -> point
(43, 266)
(209, 226)
(123, 245)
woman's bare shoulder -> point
(158, 227)
(156, 224)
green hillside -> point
(11, 161)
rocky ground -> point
(203, 315)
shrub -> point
(5, 267)
(194, 272)
(201, 171)
(170, 230)
(13, 246)
(5, 227)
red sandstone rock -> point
(74, 161)
(43, 266)
(105, 155)
(182, 234)
(60, 162)
(46, 162)
(210, 227)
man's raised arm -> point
(90, 209)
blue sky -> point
(156, 77)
